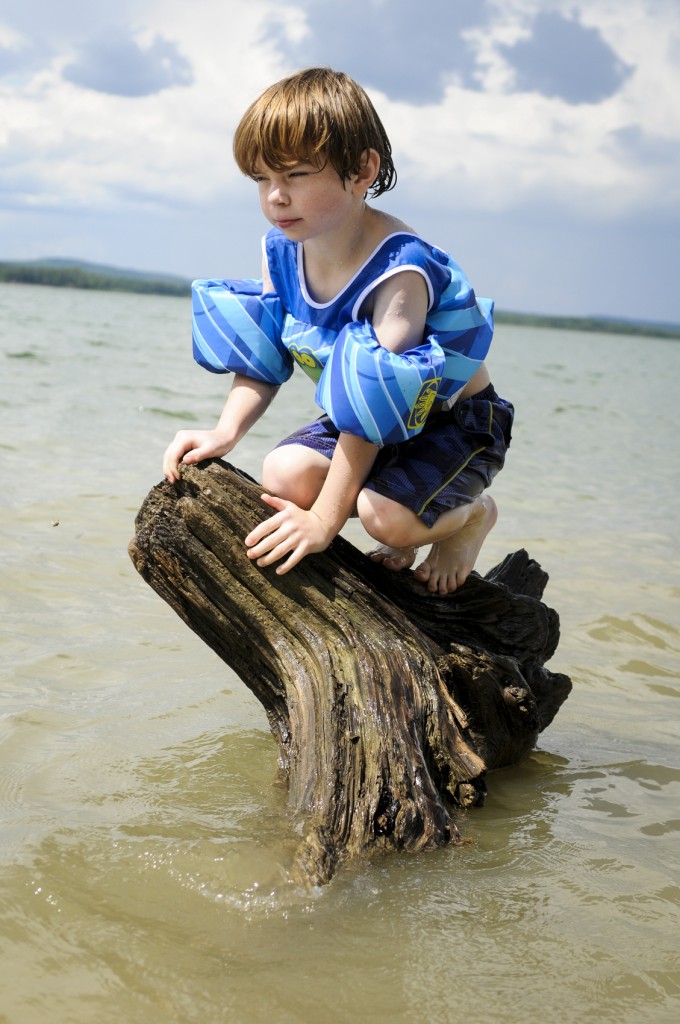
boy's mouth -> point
(284, 223)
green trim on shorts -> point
(460, 469)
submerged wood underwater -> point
(389, 705)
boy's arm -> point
(296, 532)
(398, 317)
(247, 401)
(399, 309)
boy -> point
(385, 324)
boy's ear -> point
(368, 169)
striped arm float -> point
(465, 336)
(235, 329)
(376, 394)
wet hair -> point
(318, 116)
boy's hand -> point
(293, 531)
(192, 446)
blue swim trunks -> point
(449, 463)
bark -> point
(389, 706)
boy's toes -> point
(395, 559)
(398, 561)
(424, 572)
(446, 584)
(438, 580)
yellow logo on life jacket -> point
(305, 358)
(423, 404)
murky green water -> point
(144, 840)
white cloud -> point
(73, 145)
(482, 148)
(77, 146)
(9, 39)
(501, 147)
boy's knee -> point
(270, 472)
(385, 520)
(281, 474)
(290, 474)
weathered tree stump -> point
(389, 705)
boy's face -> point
(306, 201)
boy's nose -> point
(277, 195)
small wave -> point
(644, 668)
(640, 628)
(663, 691)
(172, 414)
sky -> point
(538, 141)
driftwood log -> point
(389, 705)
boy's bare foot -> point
(393, 558)
(450, 561)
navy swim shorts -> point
(449, 463)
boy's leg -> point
(297, 468)
(295, 473)
(431, 490)
(456, 538)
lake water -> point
(144, 839)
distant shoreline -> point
(73, 276)
(63, 274)
(600, 325)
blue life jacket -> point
(364, 388)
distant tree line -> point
(603, 325)
(77, 277)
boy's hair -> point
(316, 115)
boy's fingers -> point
(275, 554)
(269, 526)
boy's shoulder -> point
(405, 245)
(398, 251)
(397, 248)
(406, 250)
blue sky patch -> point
(115, 63)
(395, 47)
(567, 60)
